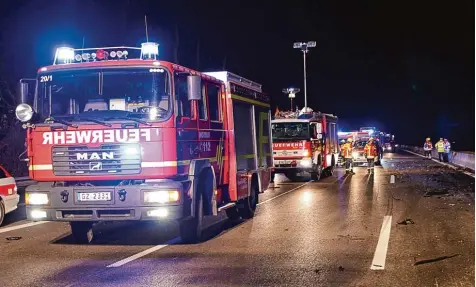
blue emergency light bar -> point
(68, 55)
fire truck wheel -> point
(191, 228)
(232, 213)
(317, 174)
(292, 176)
(330, 170)
(2, 212)
(249, 203)
(82, 232)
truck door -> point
(186, 123)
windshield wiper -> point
(51, 119)
(127, 117)
(93, 121)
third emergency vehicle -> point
(304, 141)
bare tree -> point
(12, 146)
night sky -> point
(406, 67)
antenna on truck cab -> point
(146, 33)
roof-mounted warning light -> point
(149, 51)
(64, 55)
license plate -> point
(285, 162)
(94, 196)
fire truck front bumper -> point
(294, 165)
(162, 201)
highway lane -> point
(320, 234)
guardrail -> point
(459, 158)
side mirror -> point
(26, 91)
(194, 88)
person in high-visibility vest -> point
(371, 153)
(427, 147)
(346, 151)
(447, 147)
(440, 147)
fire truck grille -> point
(103, 160)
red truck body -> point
(123, 145)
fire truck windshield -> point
(142, 93)
(360, 144)
(290, 131)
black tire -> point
(316, 176)
(191, 228)
(2, 212)
(292, 176)
(249, 204)
(232, 213)
(330, 170)
(82, 232)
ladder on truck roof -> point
(226, 76)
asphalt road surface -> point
(340, 231)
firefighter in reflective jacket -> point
(346, 151)
(427, 147)
(371, 153)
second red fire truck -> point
(117, 137)
(304, 141)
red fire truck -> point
(113, 137)
(304, 141)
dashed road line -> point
(143, 253)
(16, 227)
(178, 239)
(378, 263)
(279, 195)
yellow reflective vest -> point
(440, 146)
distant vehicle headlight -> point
(396, 145)
(24, 112)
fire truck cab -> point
(304, 141)
(117, 137)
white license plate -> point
(94, 196)
(284, 162)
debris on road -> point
(434, 259)
(406, 221)
(341, 268)
(11, 238)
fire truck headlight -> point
(305, 153)
(38, 214)
(24, 112)
(161, 212)
(306, 162)
(36, 199)
(355, 154)
(161, 196)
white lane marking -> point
(392, 178)
(143, 253)
(442, 163)
(16, 227)
(267, 200)
(177, 239)
(378, 263)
